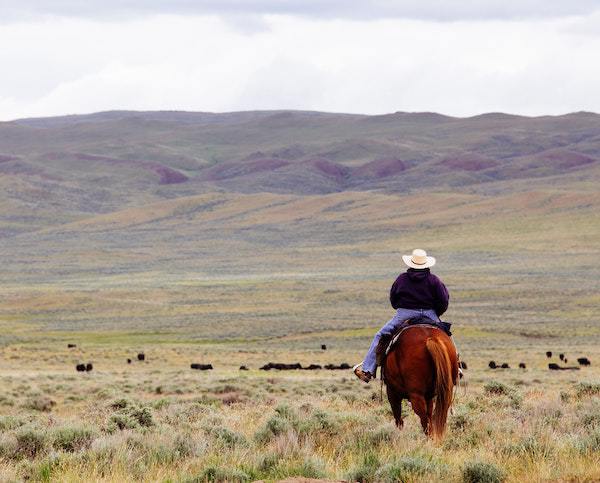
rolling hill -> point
(101, 212)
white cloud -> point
(62, 65)
(441, 10)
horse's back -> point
(409, 366)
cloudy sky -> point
(459, 57)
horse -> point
(422, 367)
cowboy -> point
(417, 292)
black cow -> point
(492, 365)
(141, 356)
(584, 361)
(89, 367)
(561, 357)
(280, 366)
(128, 361)
(243, 368)
(201, 367)
(522, 365)
(549, 354)
(312, 367)
(323, 347)
(462, 365)
(71, 346)
(553, 366)
(342, 366)
(80, 367)
(505, 366)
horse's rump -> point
(422, 366)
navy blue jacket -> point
(419, 289)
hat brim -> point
(407, 259)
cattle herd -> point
(141, 357)
(553, 366)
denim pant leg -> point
(370, 362)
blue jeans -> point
(370, 362)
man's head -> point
(418, 259)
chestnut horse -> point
(423, 368)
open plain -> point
(247, 238)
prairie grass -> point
(320, 424)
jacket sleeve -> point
(394, 298)
(441, 297)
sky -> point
(460, 57)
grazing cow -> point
(141, 356)
(553, 366)
(504, 366)
(522, 365)
(312, 367)
(201, 367)
(342, 366)
(243, 368)
(88, 367)
(80, 367)
(128, 361)
(492, 365)
(549, 354)
(583, 361)
(71, 346)
(462, 365)
(281, 367)
(323, 347)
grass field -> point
(227, 270)
(278, 278)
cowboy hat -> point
(418, 259)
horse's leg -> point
(420, 408)
(396, 404)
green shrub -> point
(8, 445)
(497, 388)
(481, 472)
(286, 412)
(407, 469)
(129, 415)
(306, 468)
(143, 415)
(531, 446)
(587, 389)
(72, 438)
(122, 403)
(460, 421)
(226, 437)
(120, 422)
(219, 475)
(31, 442)
(10, 422)
(40, 403)
(589, 443)
(161, 403)
(273, 427)
(365, 471)
(319, 422)
(591, 420)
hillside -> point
(128, 220)
(54, 170)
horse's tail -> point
(443, 385)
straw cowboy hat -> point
(418, 259)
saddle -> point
(387, 342)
